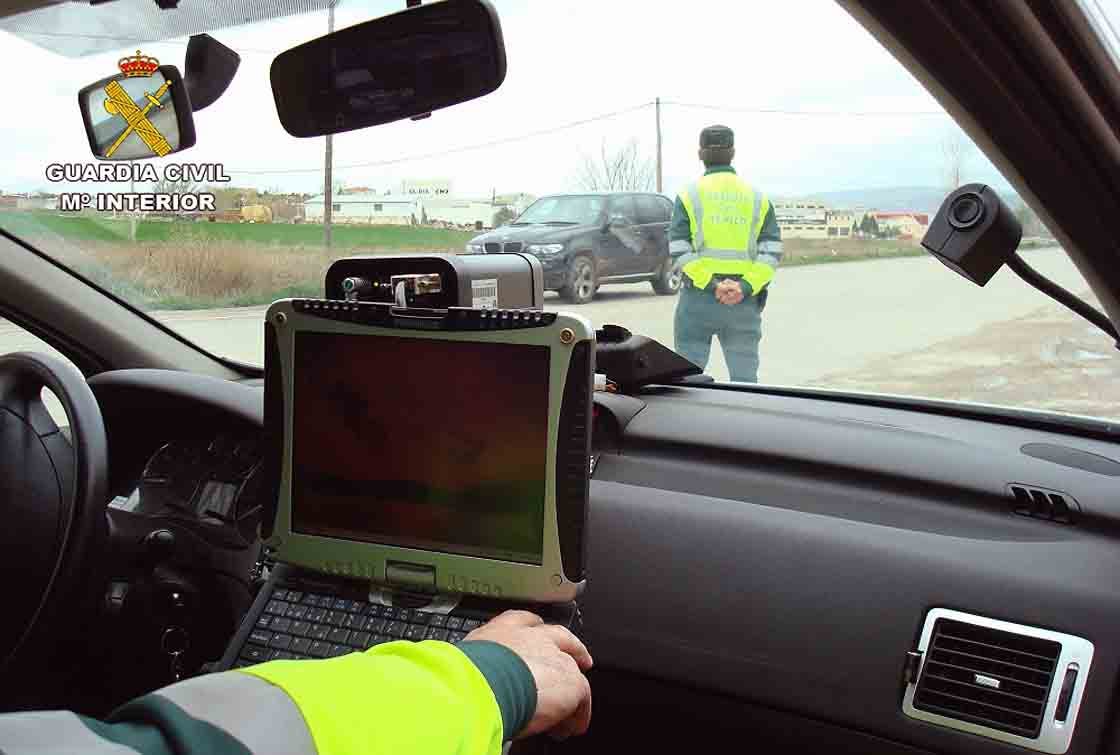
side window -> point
(624, 207)
(15, 338)
(650, 209)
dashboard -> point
(185, 486)
(830, 530)
(184, 451)
(211, 484)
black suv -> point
(585, 240)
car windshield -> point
(850, 156)
(573, 210)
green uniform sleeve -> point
(214, 714)
(153, 725)
(680, 229)
(770, 229)
(770, 240)
(399, 697)
(510, 680)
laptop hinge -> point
(413, 577)
(412, 586)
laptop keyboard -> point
(296, 625)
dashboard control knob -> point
(159, 544)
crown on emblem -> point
(138, 65)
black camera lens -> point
(966, 211)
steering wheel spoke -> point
(53, 494)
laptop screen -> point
(422, 443)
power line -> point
(454, 150)
(583, 122)
(810, 113)
(575, 124)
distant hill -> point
(892, 198)
(919, 198)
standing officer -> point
(725, 239)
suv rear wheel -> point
(582, 281)
(667, 281)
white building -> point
(802, 218)
(36, 202)
(460, 212)
(366, 207)
(414, 201)
(426, 187)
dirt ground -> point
(1050, 359)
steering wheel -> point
(53, 500)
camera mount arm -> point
(975, 234)
(1032, 277)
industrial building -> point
(366, 207)
(904, 225)
(841, 223)
(459, 212)
(813, 219)
(413, 201)
(801, 218)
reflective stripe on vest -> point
(439, 701)
(741, 205)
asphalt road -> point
(820, 319)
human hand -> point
(722, 290)
(729, 292)
(557, 660)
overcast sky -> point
(567, 60)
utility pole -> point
(657, 109)
(327, 160)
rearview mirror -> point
(400, 66)
(143, 111)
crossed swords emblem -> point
(120, 103)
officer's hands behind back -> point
(730, 292)
(557, 660)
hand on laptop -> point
(557, 660)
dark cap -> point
(717, 136)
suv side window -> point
(624, 206)
(653, 209)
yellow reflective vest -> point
(414, 698)
(725, 215)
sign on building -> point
(426, 187)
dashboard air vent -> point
(1010, 682)
(1043, 504)
(994, 678)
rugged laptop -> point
(430, 470)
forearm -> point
(425, 697)
(388, 695)
(680, 231)
(770, 240)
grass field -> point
(182, 265)
(372, 237)
(824, 251)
